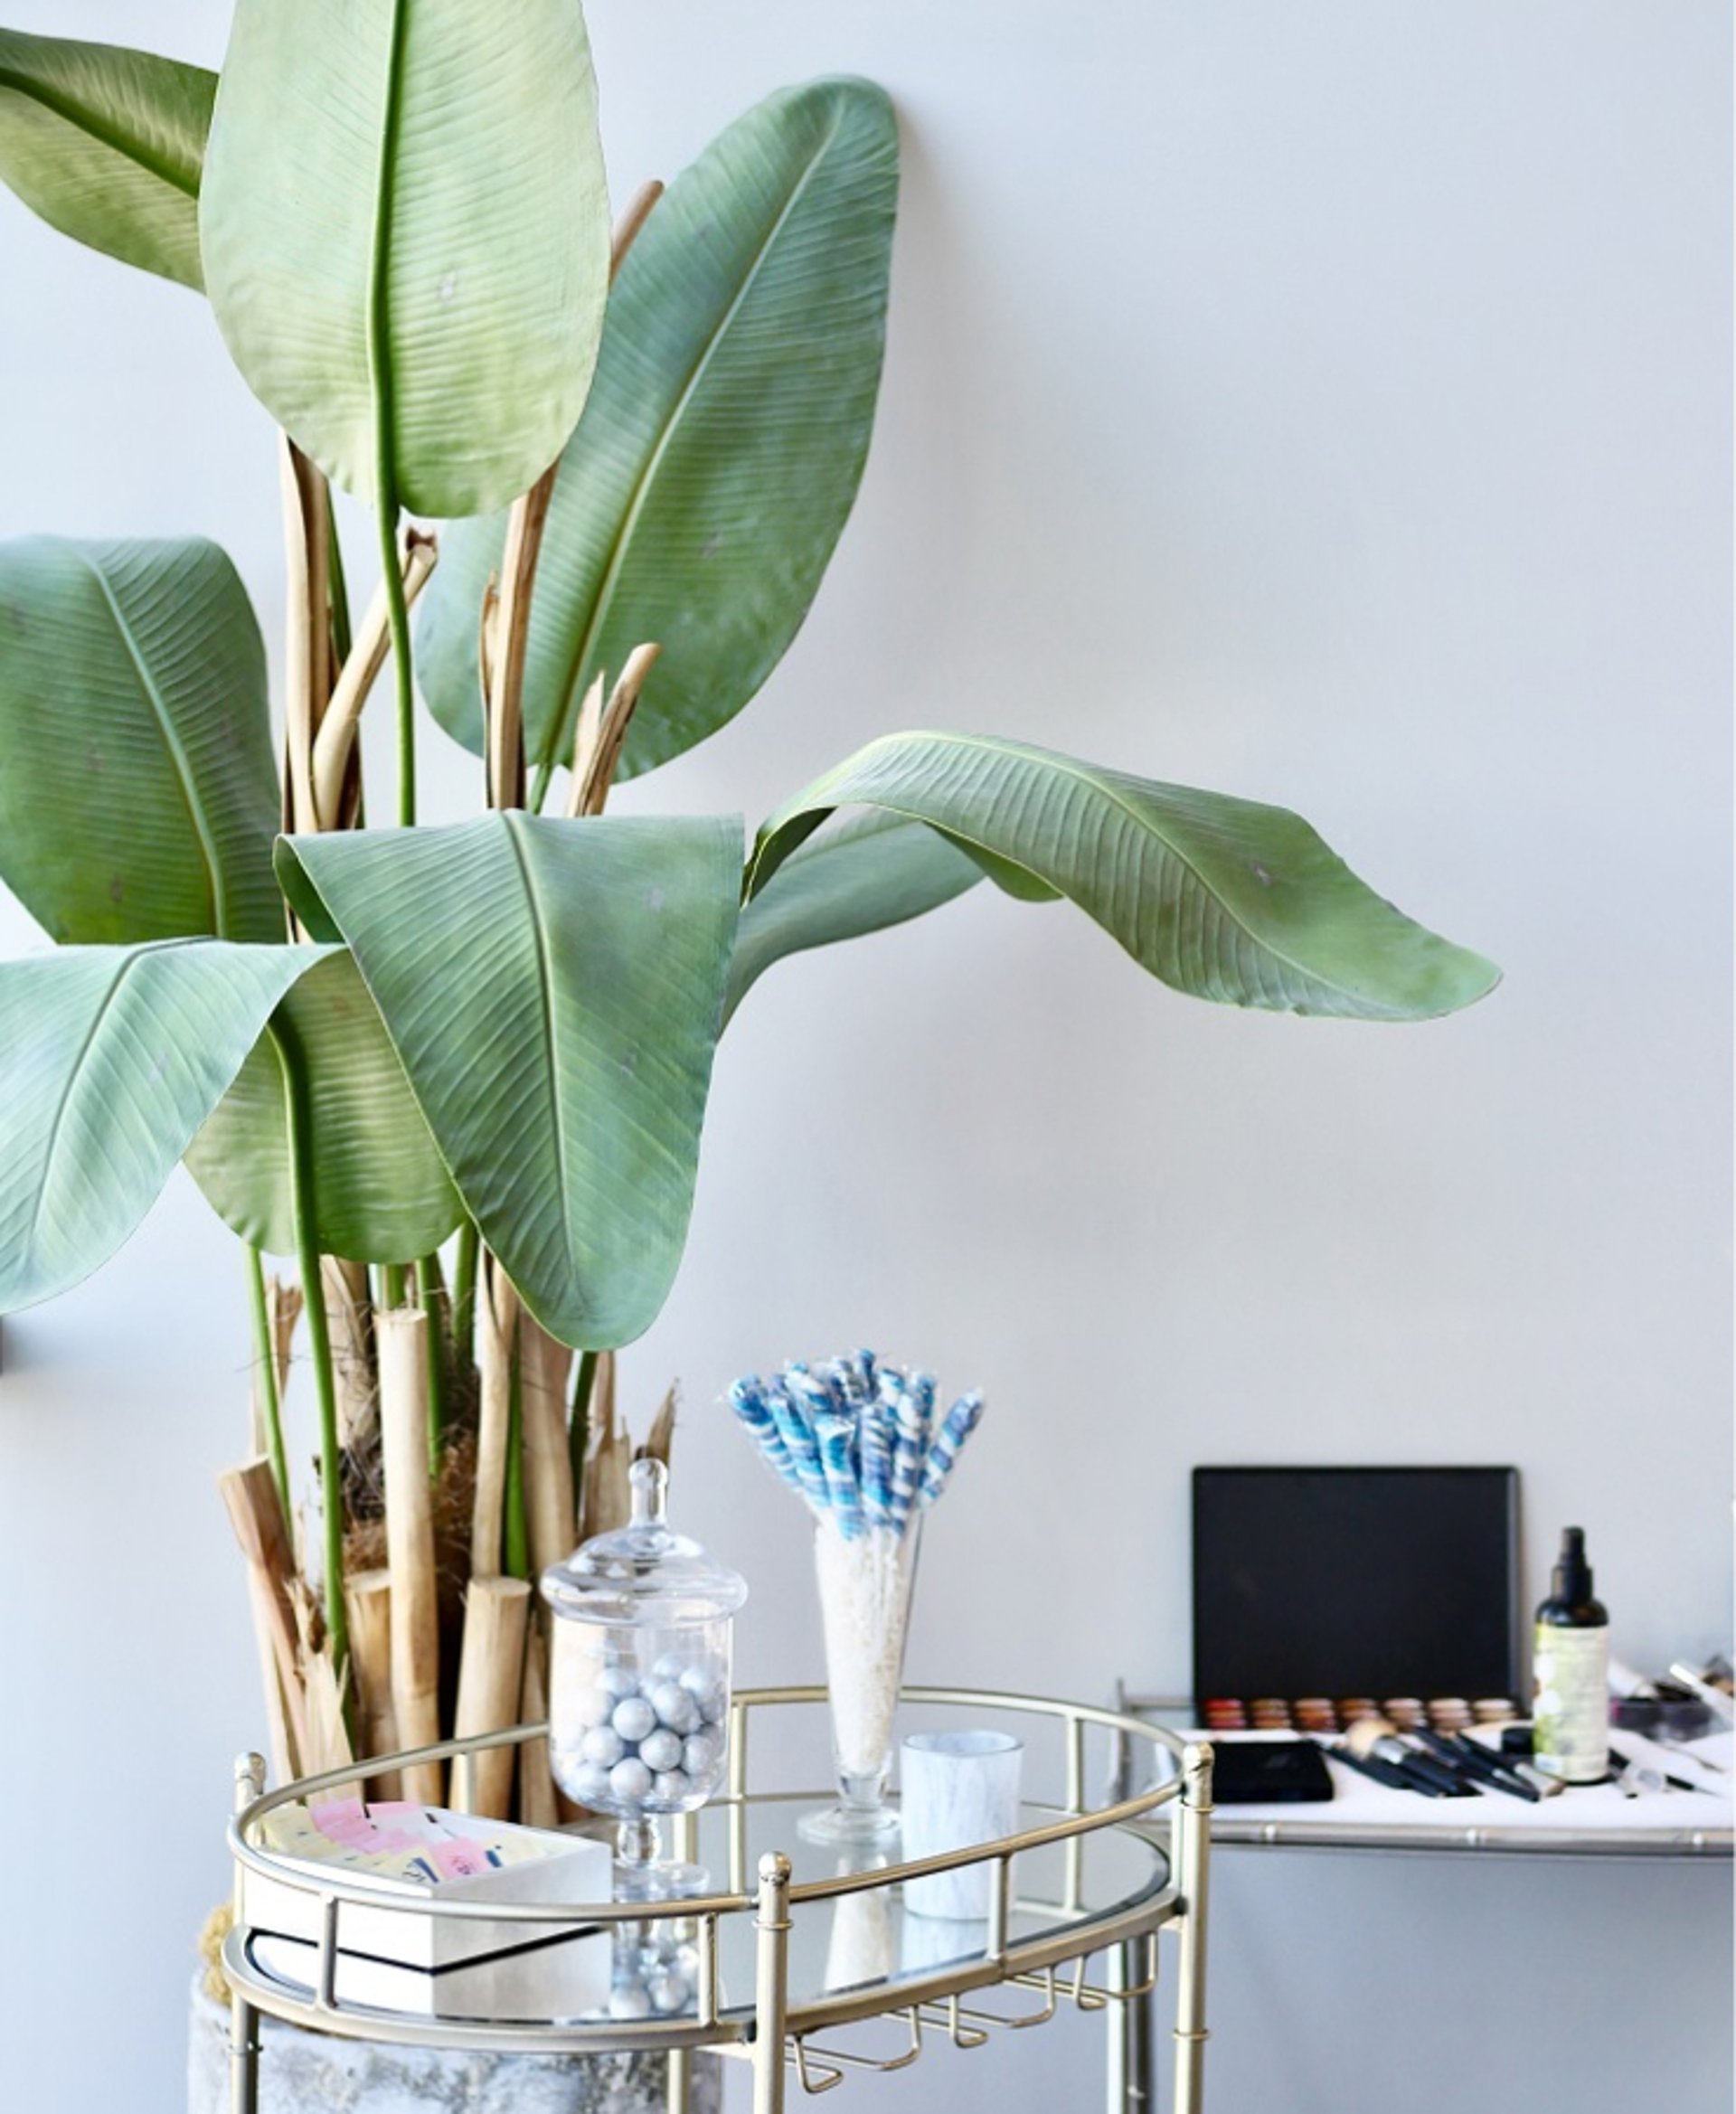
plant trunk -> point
(415, 1623)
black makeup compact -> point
(1269, 1772)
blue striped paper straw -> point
(877, 1438)
(800, 1444)
(850, 1381)
(857, 1439)
(748, 1400)
(910, 1443)
(960, 1421)
(818, 1398)
(834, 1431)
(811, 1390)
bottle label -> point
(1570, 1703)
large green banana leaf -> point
(139, 797)
(106, 144)
(405, 227)
(872, 871)
(720, 451)
(555, 990)
(1218, 897)
(381, 1193)
(110, 1059)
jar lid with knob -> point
(644, 1571)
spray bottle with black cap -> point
(1570, 1673)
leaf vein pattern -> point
(564, 725)
(1104, 783)
(94, 127)
(75, 1075)
(172, 742)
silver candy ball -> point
(672, 1702)
(602, 1744)
(674, 1786)
(589, 1784)
(634, 1718)
(706, 1685)
(661, 1749)
(591, 1706)
(630, 1780)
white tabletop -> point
(1591, 1818)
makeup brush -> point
(1516, 1755)
(1477, 1761)
(1379, 1737)
(1382, 1773)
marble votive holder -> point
(959, 1789)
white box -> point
(446, 1967)
(562, 1978)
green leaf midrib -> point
(1068, 768)
(105, 135)
(76, 1070)
(545, 974)
(379, 379)
(170, 742)
(636, 505)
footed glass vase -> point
(866, 1578)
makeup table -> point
(1585, 1820)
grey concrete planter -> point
(314, 2073)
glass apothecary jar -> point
(640, 1687)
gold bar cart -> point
(1081, 1883)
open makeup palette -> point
(1325, 1595)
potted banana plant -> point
(458, 1072)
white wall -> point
(1326, 403)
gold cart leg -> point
(244, 2057)
(243, 2019)
(771, 1983)
(681, 2079)
(1193, 1849)
(1130, 2053)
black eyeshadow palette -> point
(1324, 1594)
